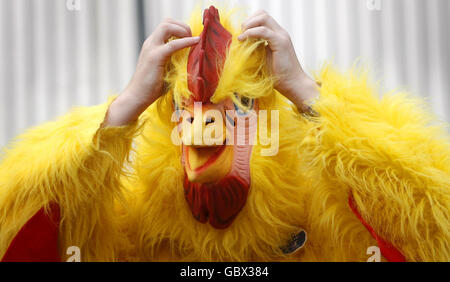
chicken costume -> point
(365, 171)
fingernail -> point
(196, 38)
(241, 37)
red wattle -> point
(220, 203)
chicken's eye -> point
(244, 106)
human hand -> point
(146, 85)
(292, 81)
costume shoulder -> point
(68, 170)
(390, 156)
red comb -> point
(206, 58)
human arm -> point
(383, 153)
(59, 181)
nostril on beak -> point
(209, 120)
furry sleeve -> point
(387, 154)
(76, 164)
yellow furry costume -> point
(117, 205)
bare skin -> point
(146, 86)
(293, 82)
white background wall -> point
(53, 58)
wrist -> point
(138, 95)
(303, 89)
(126, 108)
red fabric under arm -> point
(391, 253)
(38, 238)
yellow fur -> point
(67, 162)
(383, 151)
(158, 195)
(386, 153)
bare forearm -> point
(126, 109)
(302, 90)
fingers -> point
(262, 19)
(158, 43)
(262, 26)
(178, 44)
(257, 13)
(167, 30)
(180, 23)
(258, 32)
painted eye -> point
(246, 104)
